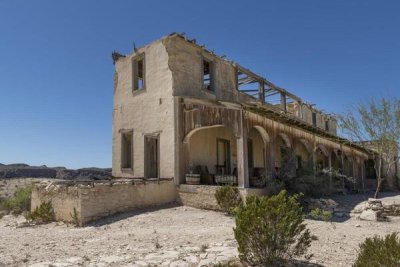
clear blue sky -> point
(56, 73)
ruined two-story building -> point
(181, 109)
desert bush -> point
(319, 214)
(20, 202)
(42, 213)
(377, 251)
(228, 198)
(270, 230)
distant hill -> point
(22, 170)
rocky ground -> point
(170, 236)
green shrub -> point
(42, 213)
(377, 251)
(319, 214)
(270, 230)
(228, 198)
(20, 202)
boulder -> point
(369, 215)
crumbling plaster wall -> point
(148, 111)
(186, 65)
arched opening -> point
(336, 162)
(322, 158)
(211, 154)
(348, 166)
(258, 156)
(284, 157)
(303, 155)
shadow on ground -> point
(124, 215)
(299, 263)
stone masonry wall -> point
(203, 196)
(94, 200)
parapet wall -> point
(94, 200)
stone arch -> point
(348, 165)
(284, 157)
(285, 138)
(210, 149)
(303, 152)
(259, 158)
(322, 157)
(336, 162)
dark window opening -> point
(250, 157)
(207, 75)
(223, 157)
(127, 151)
(314, 119)
(370, 172)
(326, 125)
(152, 156)
(138, 73)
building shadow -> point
(128, 214)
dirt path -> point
(172, 236)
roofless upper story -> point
(201, 74)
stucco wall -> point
(148, 111)
(186, 64)
(100, 199)
(258, 148)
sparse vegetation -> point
(270, 230)
(19, 203)
(203, 248)
(228, 198)
(42, 213)
(377, 251)
(319, 214)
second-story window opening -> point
(326, 125)
(314, 119)
(207, 75)
(138, 73)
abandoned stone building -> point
(186, 120)
(184, 113)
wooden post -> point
(261, 92)
(283, 102)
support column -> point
(283, 102)
(261, 92)
(242, 156)
(272, 158)
(330, 171)
(354, 171)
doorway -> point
(223, 156)
(151, 156)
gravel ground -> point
(167, 236)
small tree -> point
(270, 230)
(375, 125)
